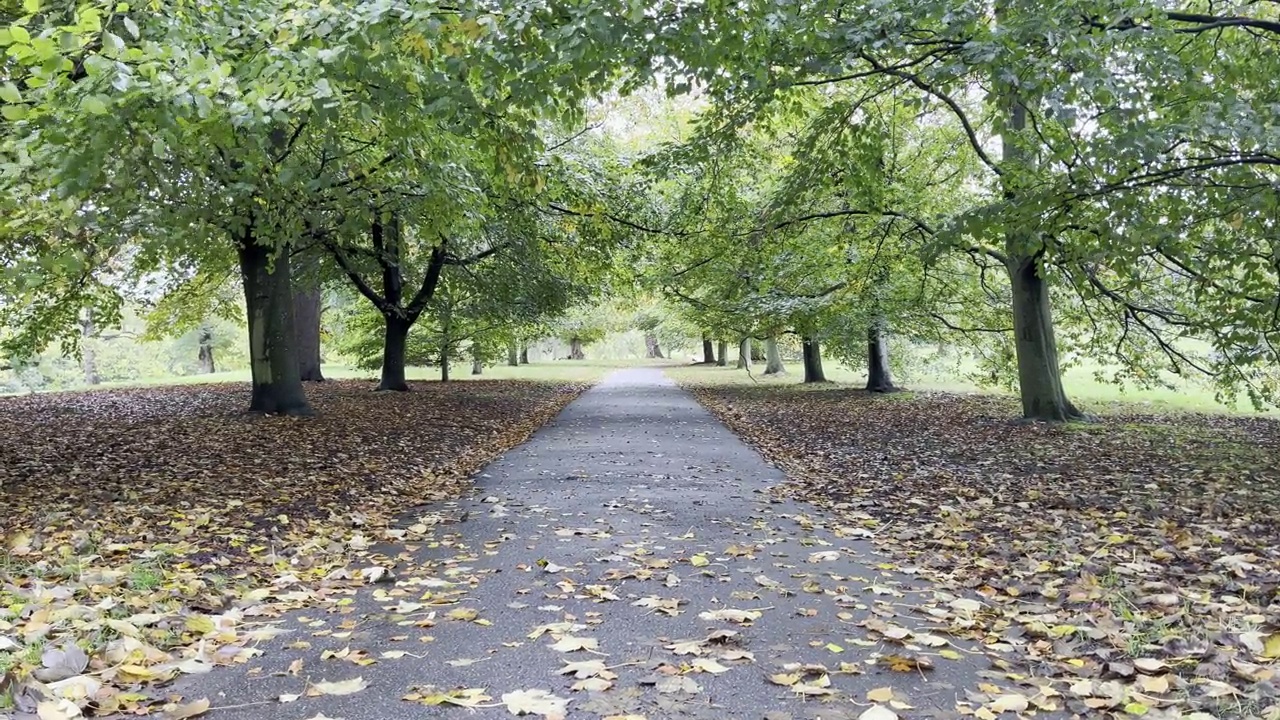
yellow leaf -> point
(189, 710)
(699, 561)
(1271, 646)
(1008, 703)
(785, 679)
(137, 671)
(880, 695)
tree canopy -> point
(1035, 185)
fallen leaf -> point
(535, 702)
(342, 687)
(880, 695)
(731, 615)
(568, 643)
(189, 710)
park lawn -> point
(548, 371)
(151, 527)
(1146, 539)
(1082, 387)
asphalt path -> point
(635, 536)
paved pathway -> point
(633, 492)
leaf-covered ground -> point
(1135, 562)
(134, 521)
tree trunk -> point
(205, 338)
(88, 355)
(575, 350)
(524, 355)
(394, 345)
(651, 346)
(306, 318)
(813, 361)
(513, 355)
(744, 354)
(477, 365)
(1039, 377)
(444, 362)
(273, 357)
(657, 350)
(773, 359)
(722, 354)
(708, 352)
(879, 379)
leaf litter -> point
(1124, 568)
(149, 533)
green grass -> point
(549, 371)
(1082, 387)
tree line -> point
(1037, 184)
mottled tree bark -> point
(708, 351)
(88, 355)
(204, 337)
(524, 355)
(477, 364)
(653, 348)
(277, 384)
(513, 355)
(744, 354)
(773, 358)
(813, 361)
(575, 350)
(722, 354)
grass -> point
(1082, 387)
(549, 371)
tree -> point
(307, 310)
(237, 123)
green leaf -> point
(112, 42)
(20, 34)
(10, 93)
(13, 112)
(132, 27)
(31, 6)
(94, 105)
